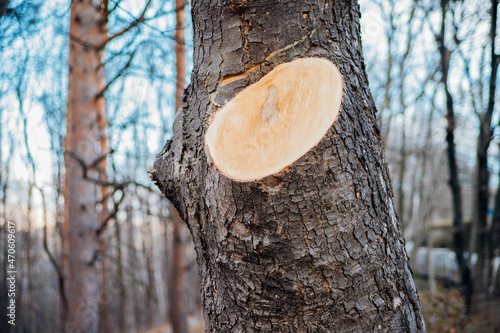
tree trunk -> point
(495, 244)
(458, 236)
(180, 51)
(29, 261)
(108, 321)
(133, 263)
(317, 246)
(177, 302)
(122, 293)
(402, 170)
(108, 318)
(149, 255)
(483, 267)
(85, 109)
(5, 163)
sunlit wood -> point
(272, 123)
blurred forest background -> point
(432, 67)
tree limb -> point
(111, 215)
(132, 25)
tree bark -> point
(316, 247)
(84, 114)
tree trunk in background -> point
(84, 112)
(495, 244)
(495, 241)
(317, 247)
(458, 237)
(176, 288)
(402, 170)
(133, 262)
(484, 252)
(421, 227)
(4, 300)
(149, 255)
(4, 186)
(29, 262)
(108, 320)
(177, 302)
(122, 293)
(108, 316)
(180, 51)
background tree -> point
(135, 252)
(483, 269)
(459, 238)
(129, 57)
(86, 79)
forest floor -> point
(445, 312)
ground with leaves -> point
(445, 312)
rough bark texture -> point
(85, 81)
(319, 247)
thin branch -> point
(102, 45)
(116, 5)
(112, 214)
(117, 185)
(472, 84)
(132, 25)
(122, 72)
(84, 43)
(57, 267)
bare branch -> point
(117, 185)
(57, 267)
(122, 72)
(84, 43)
(132, 25)
(112, 215)
(116, 5)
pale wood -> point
(272, 123)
